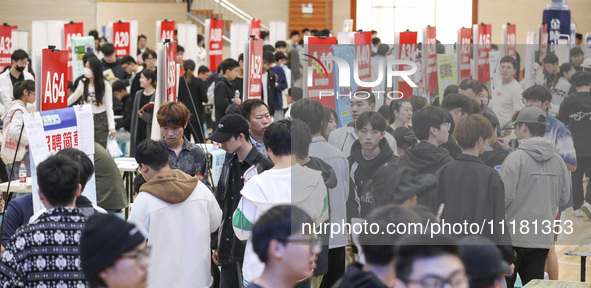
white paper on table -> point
(85, 126)
(37, 144)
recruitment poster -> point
(446, 72)
(464, 54)
(215, 33)
(363, 55)
(319, 71)
(430, 59)
(254, 68)
(71, 30)
(52, 79)
(482, 45)
(121, 38)
(509, 39)
(171, 72)
(6, 45)
(407, 47)
(80, 46)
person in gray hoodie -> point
(536, 183)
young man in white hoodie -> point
(179, 213)
(536, 183)
(285, 184)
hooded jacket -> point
(536, 183)
(363, 174)
(178, 213)
(297, 185)
(426, 158)
(493, 157)
(355, 277)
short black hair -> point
(453, 101)
(269, 48)
(279, 56)
(58, 178)
(127, 59)
(94, 34)
(424, 119)
(416, 247)
(537, 92)
(249, 105)
(277, 137)
(375, 41)
(180, 48)
(305, 30)
(377, 121)
(149, 52)
(493, 120)
(278, 223)
(280, 43)
(19, 54)
(152, 153)
(576, 51)
(451, 89)
(379, 249)
(580, 79)
(202, 69)
(370, 98)
(229, 64)
(268, 57)
(118, 86)
(107, 49)
(83, 161)
(535, 129)
(471, 84)
(509, 59)
(264, 34)
(550, 58)
(301, 138)
(296, 93)
(142, 36)
(310, 112)
(294, 32)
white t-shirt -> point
(107, 104)
(506, 100)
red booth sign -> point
(255, 68)
(6, 45)
(121, 32)
(363, 55)
(54, 71)
(431, 60)
(255, 27)
(71, 30)
(216, 30)
(171, 76)
(407, 46)
(166, 30)
(464, 54)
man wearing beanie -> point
(113, 253)
(45, 253)
(179, 213)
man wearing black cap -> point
(483, 262)
(113, 253)
(45, 253)
(179, 213)
(245, 161)
(536, 183)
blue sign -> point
(558, 23)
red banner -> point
(255, 68)
(216, 30)
(255, 27)
(322, 80)
(483, 38)
(407, 47)
(511, 41)
(431, 59)
(465, 52)
(121, 32)
(166, 30)
(6, 45)
(54, 71)
(363, 55)
(171, 76)
(543, 41)
(71, 30)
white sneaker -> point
(586, 208)
(578, 213)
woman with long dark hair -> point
(141, 120)
(97, 92)
(192, 93)
(24, 93)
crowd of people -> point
(288, 166)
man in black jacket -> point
(269, 86)
(111, 61)
(432, 129)
(223, 94)
(245, 161)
